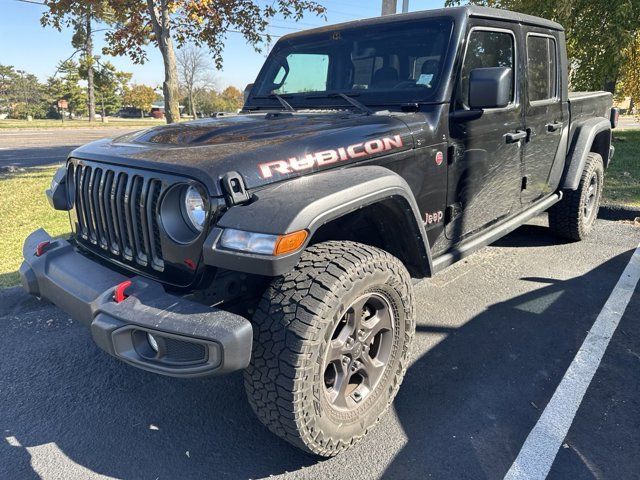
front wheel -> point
(331, 346)
(574, 216)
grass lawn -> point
(25, 207)
(113, 122)
(622, 180)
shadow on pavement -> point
(528, 236)
(59, 391)
(35, 156)
(466, 405)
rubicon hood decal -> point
(329, 157)
(262, 148)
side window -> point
(542, 68)
(486, 48)
(306, 73)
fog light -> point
(153, 343)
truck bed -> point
(589, 104)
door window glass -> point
(542, 68)
(486, 49)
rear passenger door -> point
(485, 174)
(544, 114)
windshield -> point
(380, 64)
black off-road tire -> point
(569, 218)
(293, 328)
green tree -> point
(79, 15)
(65, 85)
(111, 85)
(7, 74)
(232, 98)
(629, 83)
(201, 22)
(140, 97)
(26, 96)
(598, 32)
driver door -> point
(485, 177)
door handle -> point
(516, 137)
(554, 127)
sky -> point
(26, 45)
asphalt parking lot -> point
(496, 334)
(33, 148)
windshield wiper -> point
(360, 106)
(287, 106)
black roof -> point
(458, 13)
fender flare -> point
(309, 203)
(581, 143)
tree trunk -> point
(162, 29)
(192, 105)
(170, 84)
(389, 7)
(89, 59)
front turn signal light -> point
(290, 242)
(262, 243)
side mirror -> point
(490, 87)
(247, 91)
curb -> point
(615, 211)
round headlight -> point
(195, 207)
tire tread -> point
(287, 326)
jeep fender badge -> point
(439, 158)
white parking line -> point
(541, 447)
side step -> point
(493, 234)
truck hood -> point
(262, 148)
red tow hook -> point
(42, 247)
(119, 294)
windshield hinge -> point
(410, 107)
(233, 187)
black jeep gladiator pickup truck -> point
(286, 241)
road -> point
(628, 121)
(496, 333)
(33, 148)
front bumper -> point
(190, 339)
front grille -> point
(117, 212)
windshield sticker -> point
(425, 79)
(328, 157)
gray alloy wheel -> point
(359, 351)
(331, 346)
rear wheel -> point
(331, 346)
(573, 217)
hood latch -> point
(233, 187)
